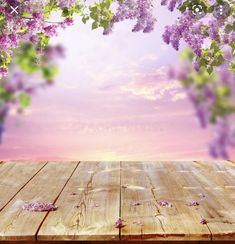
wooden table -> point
(91, 196)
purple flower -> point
(193, 203)
(36, 206)
(3, 72)
(119, 223)
(165, 203)
(203, 221)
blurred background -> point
(112, 100)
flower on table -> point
(202, 195)
(36, 206)
(119, 223)
(165, 203)
(136, 204)
(193, 203)
(203, 221)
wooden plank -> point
(141, 221)
(88, 206)
(218, 207)
(221, 173)
(13, 177)
(17, 224)
(184, 220)
(148, 185)
(97, 193)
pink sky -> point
(111, 101)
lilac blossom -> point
(119, 223)
(36, 206)
(211, 101)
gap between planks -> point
(56, 200)
(92, 183)
(17, 224)
(24, 181)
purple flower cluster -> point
(141, 10)
(34, 25)
(196, 32)
(224, 136)
(186, 30)
(36, 206)
(213, 100)
(171, 4)
(18, 82)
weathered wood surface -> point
(88, 205)
(13, 177)
(16, 224)
(91, 196)
(177, 222)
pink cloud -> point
(154, 86)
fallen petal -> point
(119, 223)
(203, 221)
(193, 203)
(37, 206)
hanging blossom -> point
(17, 88)
(186, 30)
(213, 98)
(200, 33)
(171, 4)
(141, 10)
(224, 136)
(29, 25)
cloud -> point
(149, 57)
(179, 96)
(154, 86)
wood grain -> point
(218, 207)
(138, 206)
(178, 222)
(13, 176)
(17, 224)
(91, 195)
(88, 206)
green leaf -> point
(232, 67)
(85, 19)
(26, 58)
(95, 25)
(228, 28)
(209, 69)
(223, 91)
(44, 40)
(24, 100)
(49, 73)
